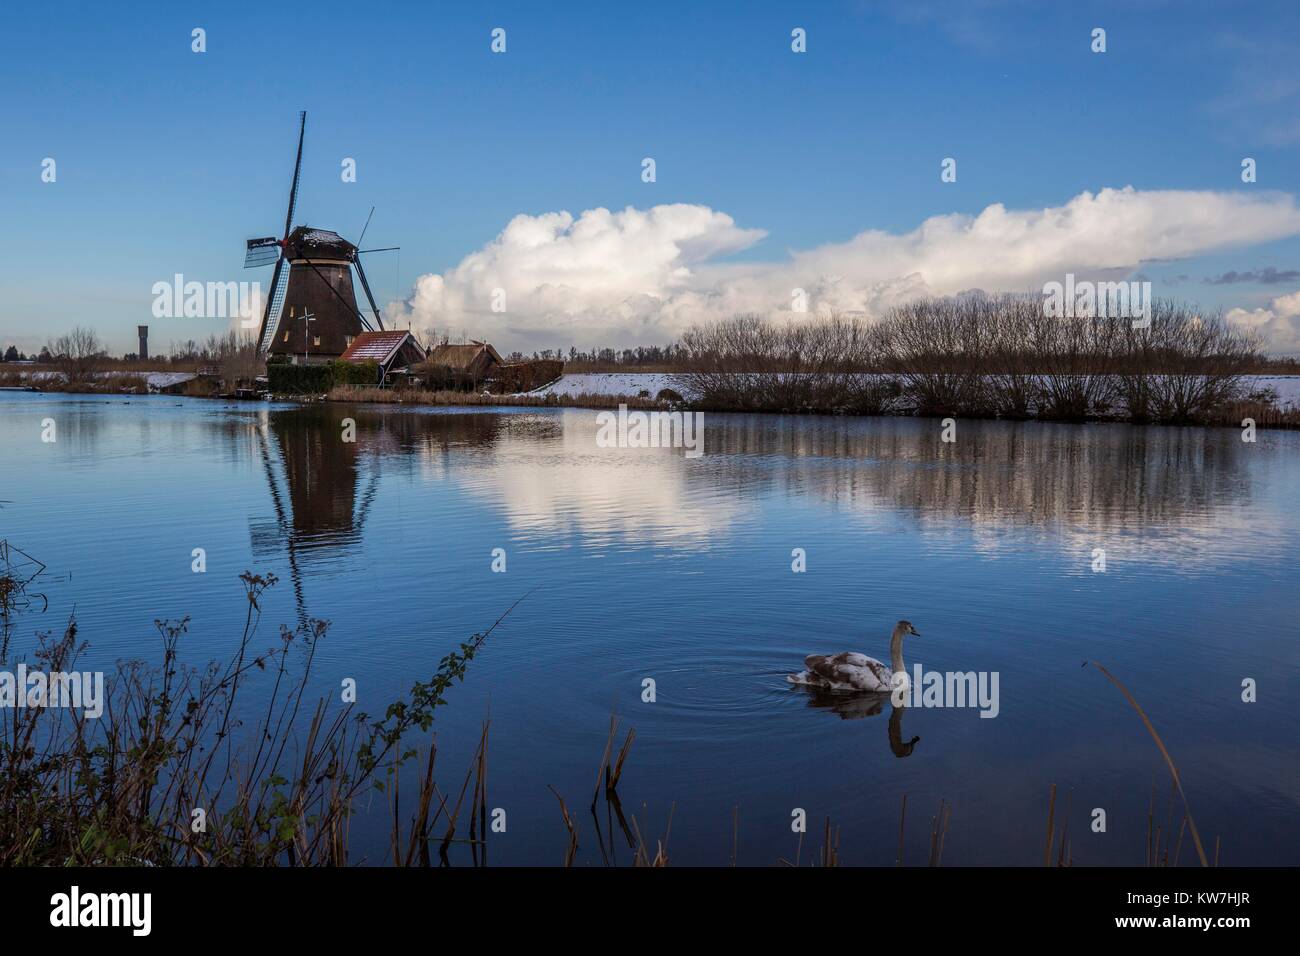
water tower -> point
(144, 341)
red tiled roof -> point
(375, 346)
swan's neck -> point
(896, 651)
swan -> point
(851, 671)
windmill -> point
(317, 287)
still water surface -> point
(652, 565)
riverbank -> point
(392, 396)
(1270, 401)
(107, 382)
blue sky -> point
(168, 160)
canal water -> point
(1168, 555)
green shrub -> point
(299, 379)
(319, 379)
(355, 373)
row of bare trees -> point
(80, 355)
(747, 363)
(990, 356)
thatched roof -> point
(472, 355)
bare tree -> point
(1015, 387)
(236, 354)
(939, 348)
(78, 354)
(752, 364)
(1183, 365)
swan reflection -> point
(855, 706)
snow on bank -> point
(649, 384)
(154, 380)
(1286, 386)
(611, 383)
(158, 380)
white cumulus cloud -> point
(643, 276)
(1278, 324)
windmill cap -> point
(307, 242)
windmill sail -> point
(297, 173)
(361, 274)
(271, 322)
(261, 252)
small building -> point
(393, 351)
(474, 360)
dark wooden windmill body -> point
(319, 316)
(311, 313)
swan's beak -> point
(915, 632)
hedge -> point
(318, 379)
(355, 373)
(526, 376)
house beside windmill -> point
(473, 358)
(469, 364)
(394, 352)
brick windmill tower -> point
(311, 313)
